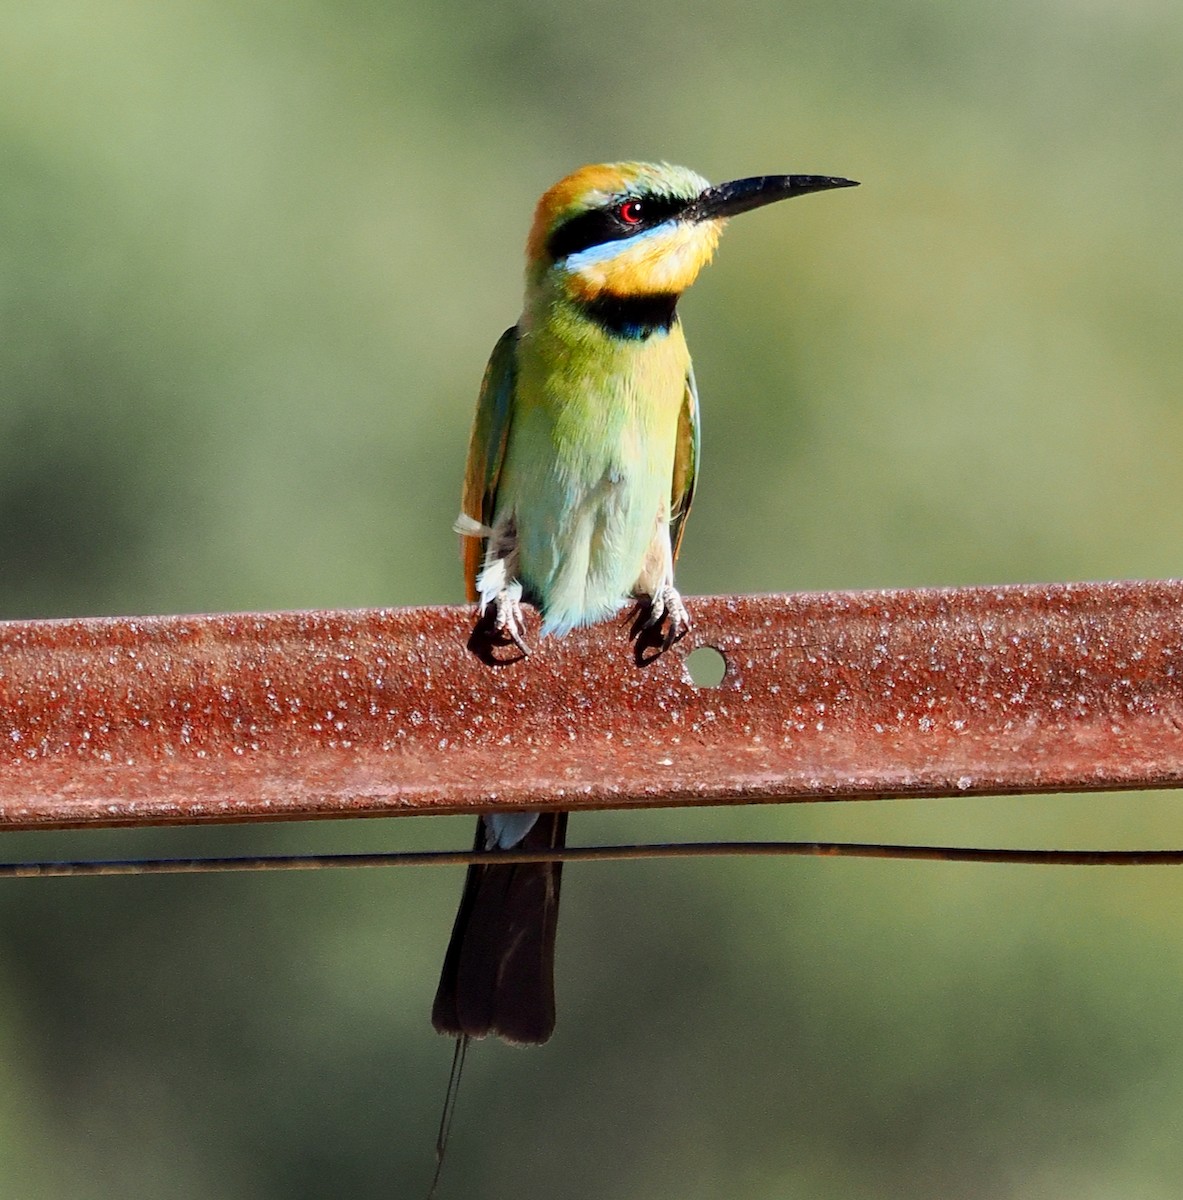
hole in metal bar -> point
(707, 667)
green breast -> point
(589, 461)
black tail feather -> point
(498, 974)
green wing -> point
(685, 463)
(486, 453)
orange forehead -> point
(581, 189)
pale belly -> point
(586, 521)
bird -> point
(580, 474)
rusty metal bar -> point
(1062, 687)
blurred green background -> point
(252, 259)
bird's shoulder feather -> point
(686, 454)
(486, 454)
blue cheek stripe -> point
(606, 251)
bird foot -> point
(668, 604)
(661, 620)
(501, 623)
(508, 622)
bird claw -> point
(664, 607)
(508, 622)
(668, 604)
(500, 623)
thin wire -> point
(459, 1054)
(454, 858)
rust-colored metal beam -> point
(827, 696)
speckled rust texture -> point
(917, 693)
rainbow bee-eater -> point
(581, 470)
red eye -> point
(631, 212)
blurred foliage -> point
(251, 261)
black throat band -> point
(633, 317)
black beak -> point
(728, 199)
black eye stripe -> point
(588, 229)
(600, 225)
